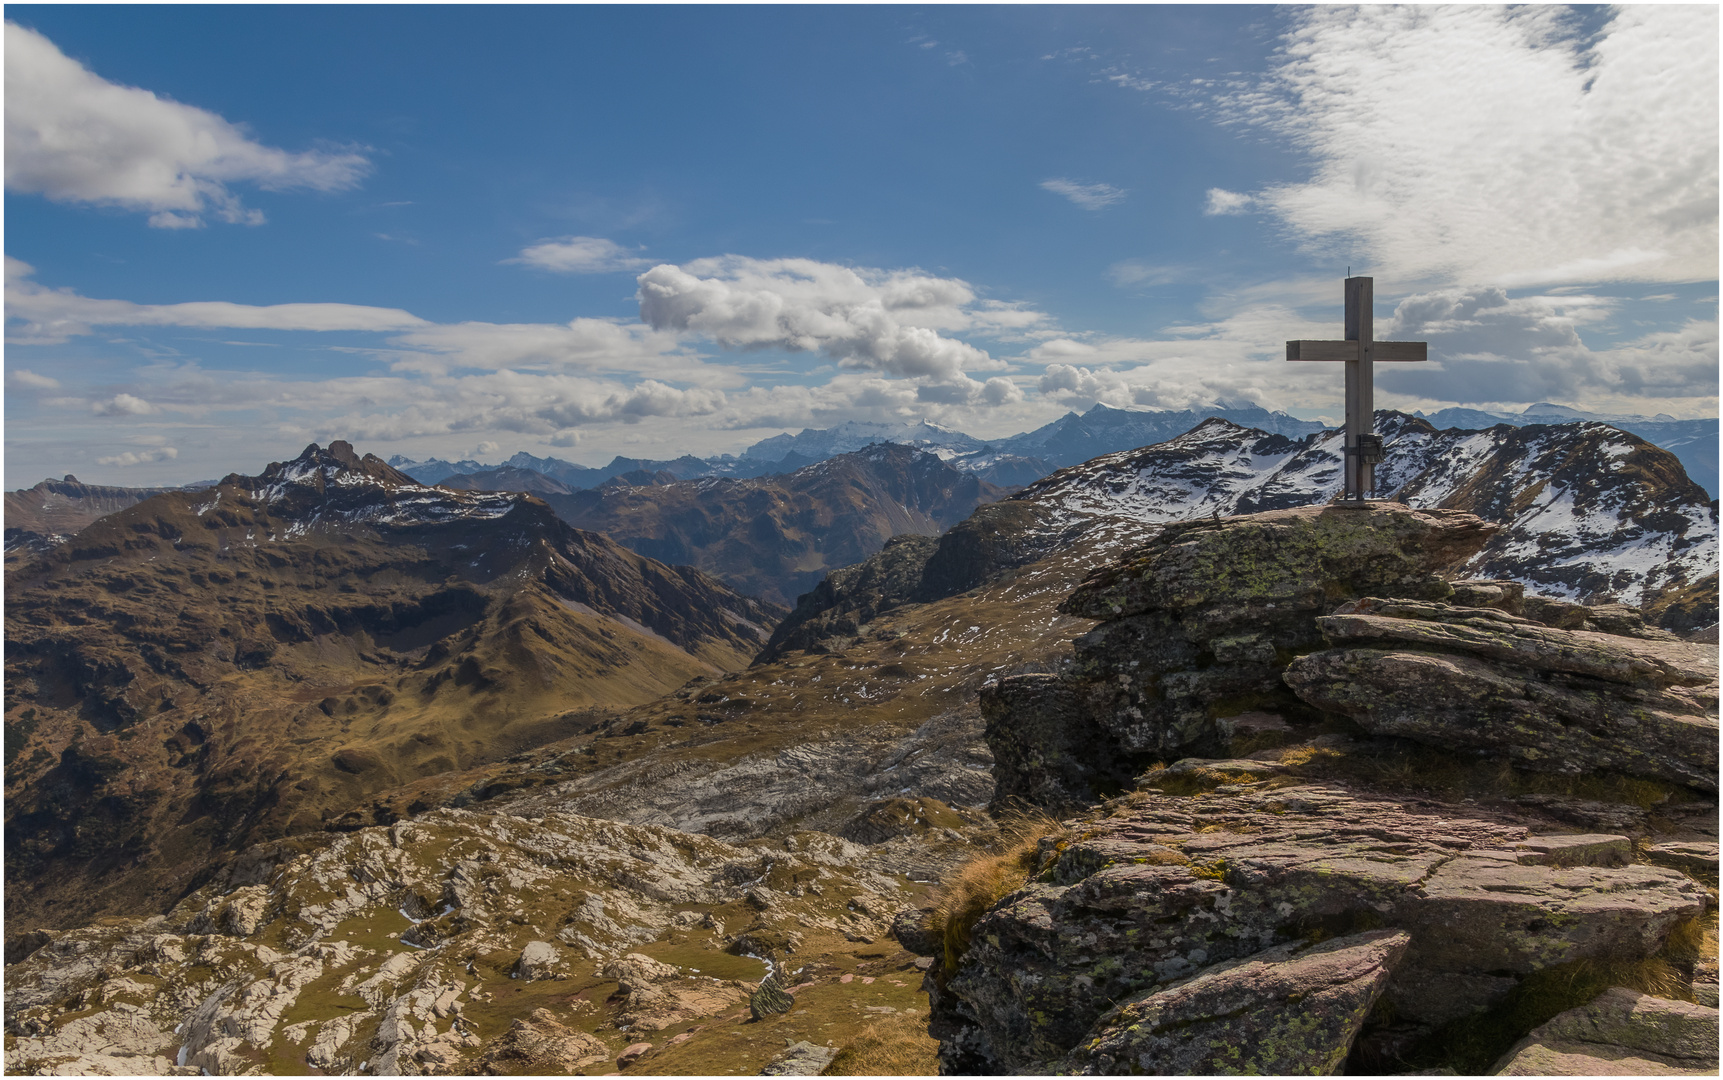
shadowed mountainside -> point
(778, 536)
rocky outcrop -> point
(1290, 1009)
(539, 1045)
(1304, 897)
(1196, 629)
(1620, 1033)
(1163, 888)
(1560, 701)
(426, 946)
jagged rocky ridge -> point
(1302, 897)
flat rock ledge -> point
(1620, 1033)
(1558, 701)
(1165, 910)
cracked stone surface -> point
(1168, 886)
(1291, 1009)
(1620, 1033)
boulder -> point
(539, 960)
(658, 995)
(1290, 1010)
(910, 929)
(770, 999)
(801, 1059)
(541, 1045)
(1619, 1033)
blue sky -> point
(588, 231)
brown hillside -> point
(209, 669)
(62, 507)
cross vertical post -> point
(1360, 351)
(1360, 389)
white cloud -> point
(868, 319)
(1221, 201)
(139, 457)
(1088, 196)
(580, 255)
(122, 405)
(74, 137)
(1459, 144)
(48, 316)
(1487, 347)
(27, 378)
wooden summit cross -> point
(1360, 350)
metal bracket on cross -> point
(1360, 351)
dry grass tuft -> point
(980, 883)
(896, 1045)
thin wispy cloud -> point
(1087, 196)
(74, 137)
(1496, 144)
(48, 316)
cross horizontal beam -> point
(1393, 351)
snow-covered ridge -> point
(1587, 513)
(334, 487)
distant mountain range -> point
(1010, 462)
(1590, 513)
(1026, 457)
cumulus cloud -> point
(886, 321)
(1459, 144)
(580, 255)
(122, 405)
(139, 457)
(1087, 196)
(38, 315)
(74, 137)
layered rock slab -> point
(1620, 1033)
(1559, 701)
(1172, 886)
(1291, 1009)
(1197, 627)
